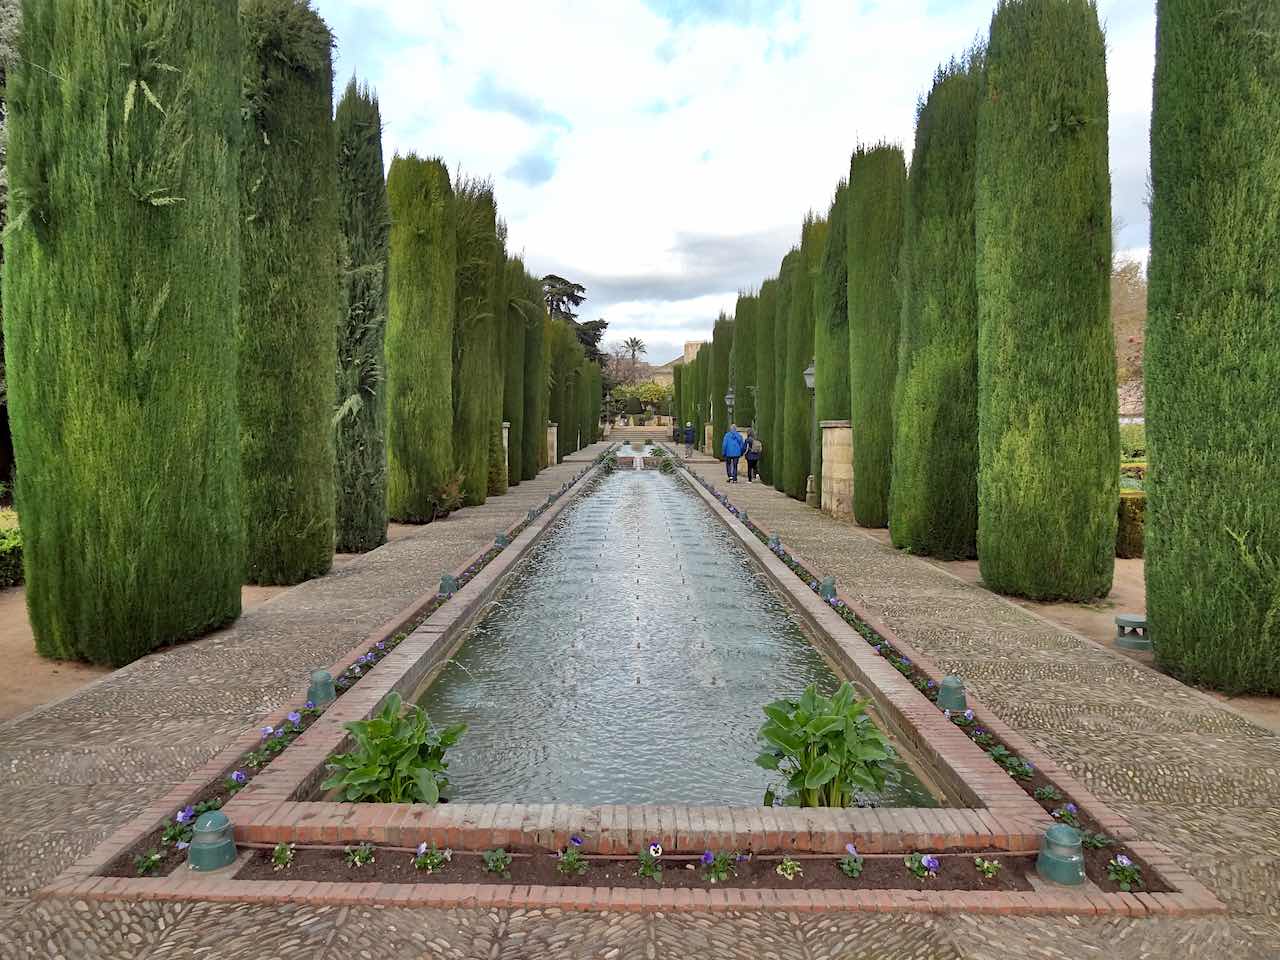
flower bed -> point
(1099, 849)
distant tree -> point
(563, 297)
(634, 347)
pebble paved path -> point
(1188, 773)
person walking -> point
(755, 449)
(688, 440)
(732, 448)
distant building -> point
(691, 349)
(665, 374)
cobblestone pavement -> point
(1188, 773)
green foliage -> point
(990, 869)
(121, 293)
(766, 351)
(533, 312)
(721, 349)
(934, 505)
(282, 855)
(648, 392)
(1047, 412)
(1130, 531)
(567, 356)
(1213, 346)
(677, 401)
(781, 341)
(1133, 441)
(513, 396)
(430, 859)
(877, 182)
(742, 362)
(419, 348)
(497, 861)
(1012, 764)
(1124, 873)
(398, 758)
(826, 747)
(719, 867)
(360, 421)
(570, 861)
(477, 240)
(851, 865)
(495, 326)
(789, 868)
(359, 856)
(289, 296)
(797, 438)
(650, 859)
(10, 557)
(831, 315)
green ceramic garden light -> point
(448, 584)
(212, 844)
(1131, 632)
(1061, 857)
(951, 694)
(321, 691)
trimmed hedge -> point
(798, 436)
(831, 316)
(476, 219)
(422, 479)
(766, 353)
(877, 182)
(121, 296)
(721, 348)
(289, 296)
(534, 440)
(933, 509)
(513, 397)
(360, 430)
(1047, 409)
(495, 327)
(1129, 528)
(742, 364)
(781, 445)
(1213, 345)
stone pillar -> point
(553, 430)
(708, 448)
(837, 469)
(506, 452)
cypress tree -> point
(721, 347)
(419, 348)
(799, 458)
(513, 398)
(702, 389)
(1048, 433)
(360, 431)
(1213, 346)
(476, 220)
(742, 372)
(934, 508)
(121, 293)
(781, 341)
(533, 312)
(495, 324)
(877, 181)
(289, 292)
(831, 316)
(677, 398)
(766, 351)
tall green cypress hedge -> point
(702, 398)
(831, 315)
(1213, 346)
(742, 369)
(533, 312)
(877, 181)
(513, 398)
(934, 508)
(360, 430)
(495, 326)
(721, 348)
(1048, 433)
(799, 459)
(419, 348)
(121, 292)
(787, 274)
(677, 398)
(476, 220)
(766, 351)
(289, 303)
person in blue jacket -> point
(732, 448)
(688, 440)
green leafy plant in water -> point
(789, 869)
(358, 856)
(397, 758)
(282, 856)
(826, 747)
(499, 862)
(988, 868)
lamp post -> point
(728, 403)
(755, 406)
(815, 445)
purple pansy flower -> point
(655, 849)
(947, 714)
(309, 705)
(295, 717)
(1123, 860)
(931, 684)
(930, 863)
(382, 645)
(422, 848)
(182, 845)
(575, 840)
(239, 777)
(280, 731)
(186, 814)
(708, 858)
(1072, 808)
(851, 849)
(968, 714)
(267, 731)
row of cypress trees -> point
(198, 206)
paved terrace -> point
(1185, 771)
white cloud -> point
(620, 142)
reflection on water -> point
(628, 662)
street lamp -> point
(728, 403)
(815, 445)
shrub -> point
(477, 238)
(1133, 441)
(766, 393)
(513, 395)
(533, 311)
(121, 294)
(360, 427)
(742, 373)
(398, 757)
(10, 557)
(797, 437)
(495, 329)
(419, 348)
(1047, 410)
(1213, 354)
(289, 306)
(934, 506)
(721, 347)
(831, 315)
(781, 445)
(877, 179)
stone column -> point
(553, 430)
(837, 469)
(506, 451)
(706, 430)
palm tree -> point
(635, 347)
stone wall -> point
(837, 469)
(553, 431)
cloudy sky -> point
(663, 153)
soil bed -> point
(878, 873)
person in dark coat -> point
(755, 450)
(688, 440)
